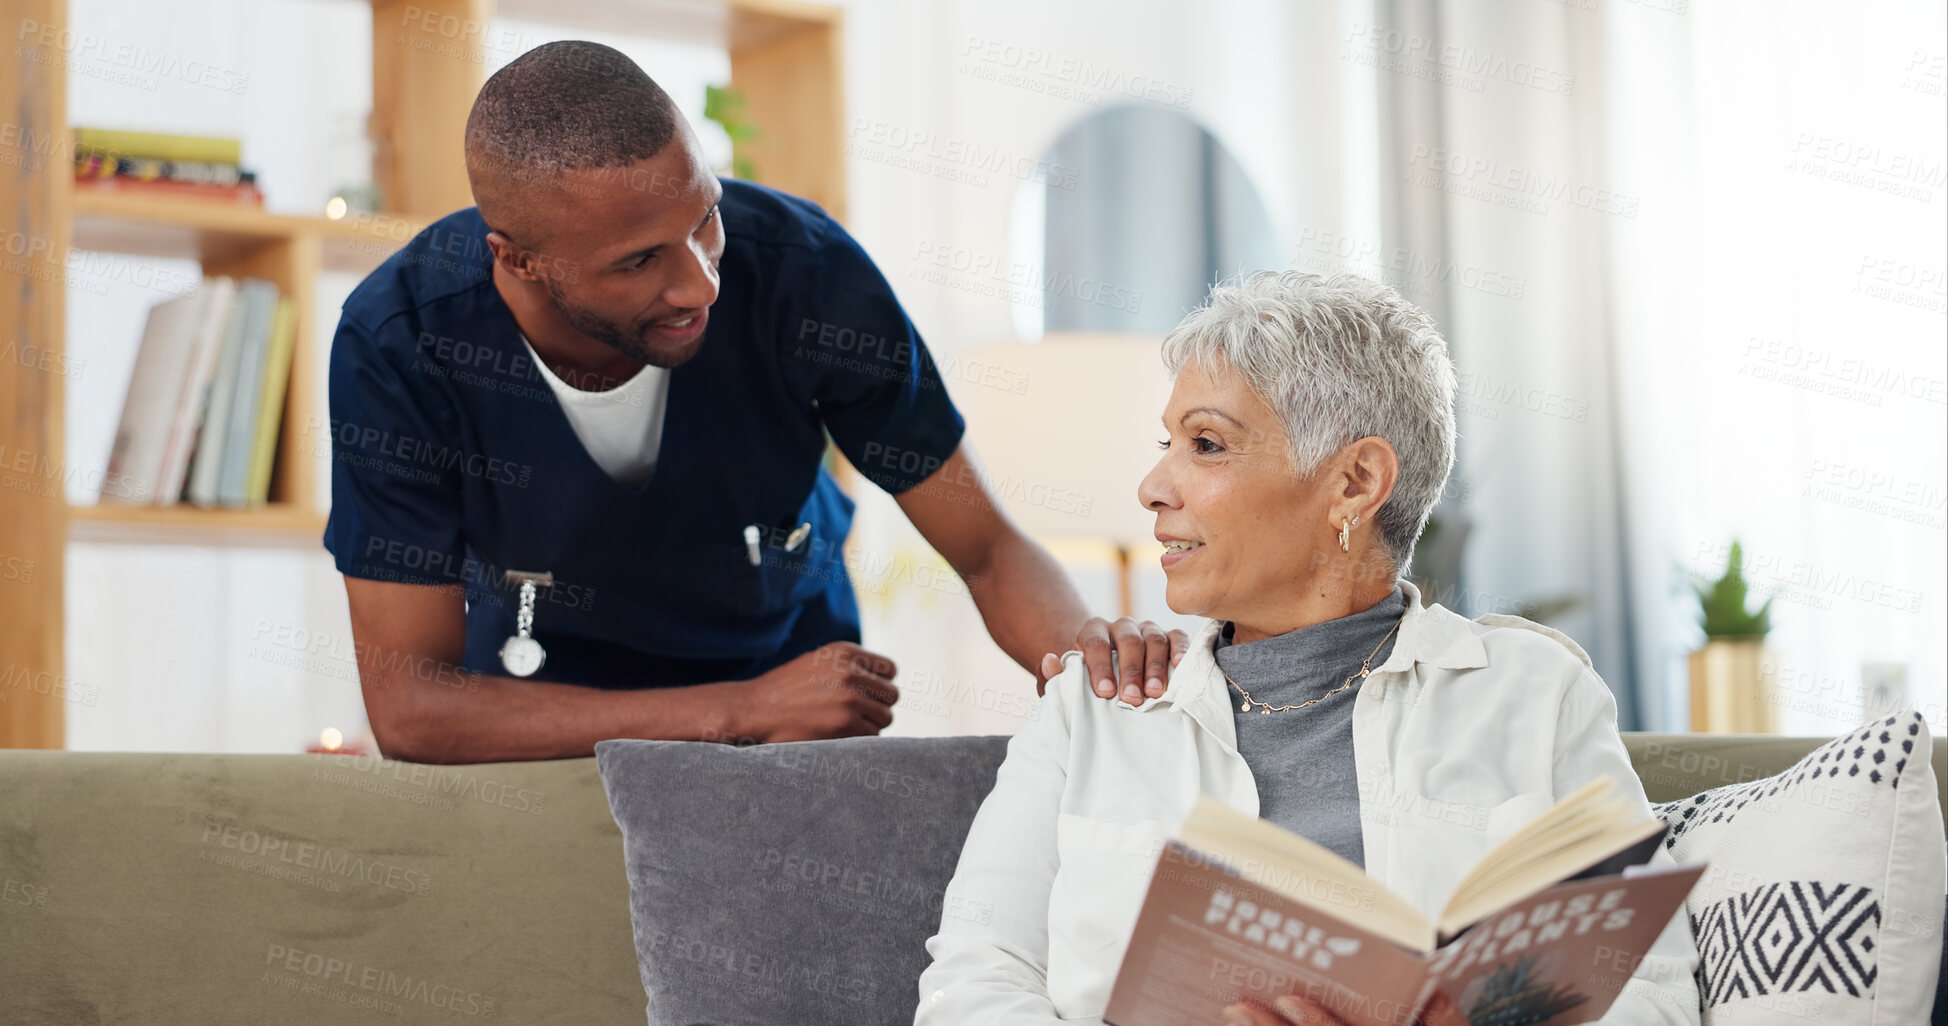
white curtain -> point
(1780, 311)
(1690, 260)
(1498, 204)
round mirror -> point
(1142, 211)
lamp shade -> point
(1065, 429)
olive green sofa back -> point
(190, 889)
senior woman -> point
(1309, 432)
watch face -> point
(522, 656)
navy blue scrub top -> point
(452, 462)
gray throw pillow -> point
(793, 883)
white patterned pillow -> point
(1825, 888)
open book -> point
(1545, 931)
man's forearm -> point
(1027, 602)
(484, 718)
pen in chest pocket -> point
(754, 537)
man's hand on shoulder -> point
(1124, 657)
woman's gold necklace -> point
(1266, 709)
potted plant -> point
(1732, 688)
(725, 106)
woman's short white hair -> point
(1339, 358)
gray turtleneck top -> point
(1302, 759)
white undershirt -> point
(622, 428)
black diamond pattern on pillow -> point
(1877, 752)
(1788, 936)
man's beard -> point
(616, 336)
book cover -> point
(193, 397)
(270, 411)
(158, 145)
(1208, 936)
(136, 460)
(1562, 955)
(240, 446)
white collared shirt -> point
(1468, 731)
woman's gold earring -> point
(1345, 536)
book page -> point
(1574, 815)
(1583, 829)
(1312, 874)
(1487, 892)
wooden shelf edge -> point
(185, 211)
(273, 526)
(183, 227)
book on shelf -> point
(138, 457)
(157, 146)
(245, 193)
(1535, 933)
(193, 393)
(232, 397)
(212, 421)
(270, 412)
(89, 167)
(166, 166)
(240, 440)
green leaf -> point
(725, 107)
(1723, 603)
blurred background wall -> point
(1689, 259)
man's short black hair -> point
(559, 107)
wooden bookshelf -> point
(428, 62)
(33, 525)
(242, 241)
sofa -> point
(164, 889)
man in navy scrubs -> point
(615, 378)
